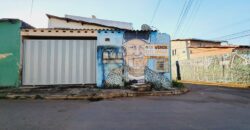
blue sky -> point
(215, 18)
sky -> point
(206, 19)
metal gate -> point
(59, 62)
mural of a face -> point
(134, 58)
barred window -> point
(162, 65)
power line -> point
(155, 11)
(193, 15)
(187, 11)
(183, 15)
(226, 27)
(179, 18)
(238, 37)
(233, 34)
(31, 8)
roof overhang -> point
(198, 40)
(47, 32)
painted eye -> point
(132, 47)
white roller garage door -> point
(59, 62)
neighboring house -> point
(68, 56)
(209, 61)
(77, 22)
(196, 52)
(10, 44)
(78, 50)
(183, 49)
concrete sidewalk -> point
(95, 94)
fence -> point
(228, 68)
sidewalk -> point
(231, 85)
(91, 94)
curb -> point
(97, 96)
(227, 85)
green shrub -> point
(177, 84)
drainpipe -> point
(187, 50)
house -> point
(196, 52)
(76, 50)
(183, 49)
(77, 22)
(74, 27)
(10, 52)
(209, 61)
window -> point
(107, 39)
(174, 52)
(161, 65)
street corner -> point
(91, 94)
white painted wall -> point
(58, 23)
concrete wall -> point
(59, 23)
(179, 50)
(130, 57)
(9, 53)
(203, 51)
(227, 68)
(203, 44)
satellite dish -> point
(145, 27)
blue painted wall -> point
(108, 42)
(121, 53)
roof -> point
(70, 29)
(24, 25)
(63, 33)
(95, 21)
(199, 40)
(233, 46)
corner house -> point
(77, 50)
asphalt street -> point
(204, 108)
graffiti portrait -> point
(134, 59)
(131, 58)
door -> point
(59, 62)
